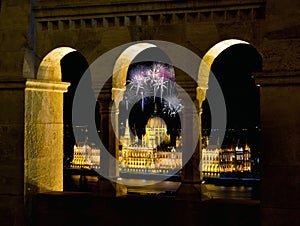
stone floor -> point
(154, 204)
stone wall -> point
(14, 19)
(11, 152)
(29, 30)
(280, 149)
(95, 30)
(280, 47)
(15, 36)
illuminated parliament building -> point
(120, 112)
(145, 157)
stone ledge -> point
(69, 17)
(46, 86)
(34, 85)
(269, 78)
(12, 83)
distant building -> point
(153, 155)
(85, 157)
(218, 162)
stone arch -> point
(43, 145)
(206, 64)
(49, 68)
(120, 74)
(210, 56)
(121, 68)
(205, 68)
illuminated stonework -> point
(156, 132)
(146, 157)
(43, 131)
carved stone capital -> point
(200, 95)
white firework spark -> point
(172, 105)
(159, 83)
(146, 81)
(137, 82)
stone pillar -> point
(200, 98)
(279, 147)
(105, 187)
(117, 96)
(16, 36)
(190, 172)
(107, 135)
(108, 165)
(12, 96)
(31, 136)
(43, 136)
(191, 187)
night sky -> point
(73, 66)
(233, 69)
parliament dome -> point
(156, 122)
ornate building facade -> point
(229, 162)
(147, 157)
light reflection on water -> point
(222, 192)
(231, 192)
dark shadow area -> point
(86, 209)
(73, 67)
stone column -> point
(190, 172)
(200, 98)
(15, 46)
(43, 138)
(108, 165)
(107, 135)
(279, 147)
(117, 96)
(191, 187)
(12, 98)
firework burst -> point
(172, 105)
(147, 81)
(137, 82)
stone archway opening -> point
(233, 63)
(81, 154)
(145, 59)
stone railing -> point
(58, 16)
